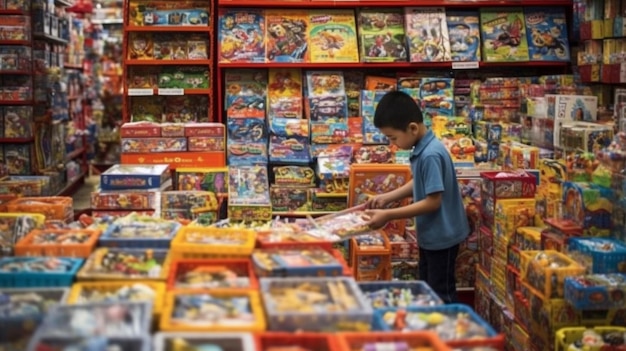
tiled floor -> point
(82, 196)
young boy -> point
(437, 205)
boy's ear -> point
(413, 128)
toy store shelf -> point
(73, 185)
(168, 62)
(72, 155)
(168, 29)
(14, 42)
(300, 213)
(49, 37)
(446, 65)
(16, 102)
(16, 140)
(392, 3)
(177, 159)
(15, 72)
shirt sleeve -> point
(432, 175)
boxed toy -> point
(284, 93)
(290, 199)
(427, 34)
(332, 36)
(294, 176)
(248, 193)
(140, 130)
(381, 34)
(546, 30)
(241, 35)
(151, 145)
(503, 33)
(120, 177)
(204, 129)
(185, 77)
(464, 32)
(287, 37)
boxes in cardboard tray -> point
(229, 273)
(199, 242)
(546, 271)
(58, 243)
(118, 291)
(124, 264)
(15, 226)
(30, 272)
(301, 262)
(599, 255)
(156, 234)
(568, 336)
(596, 291)
(396, 341)
(120, 177)
(399, 294)
(192, 341)
(315, 304)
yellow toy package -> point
(332, 36)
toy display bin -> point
(68, 343)
(567, 336)
(220, 310)
(156, 235)
(15, 226)
(299, 341)
(191, 341)
(123, 264)
(266, 240)
(385, 320)
(53, 207)
(31, 272)
(34, 244)
(197, 242)
(508, 185)
(89, 320)
(348, 310)
(79, 290)
(603, 255)
(211, 274)
(536, 270)
(378, 341)
(407, 293)
(303, 262)
(596, 291)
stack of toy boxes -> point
(612, 173)
(514, 155)
(552, 174)
(292, 188)
(590, 206)
(248, 194)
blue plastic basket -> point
(598, 297)
(125, 343)
(417, 287)
(26, 279)
(602, 261)
(108, 240)
(447, 310)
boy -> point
(437, 205)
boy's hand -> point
(377, 218)
(377, 202)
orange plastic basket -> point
(78, 289)
(415, 340)
(298, 341)
(27, 246)
(241, 267)
(54, 207)
(198, 242)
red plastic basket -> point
(242, 267)
(308, 341)
(415, 340)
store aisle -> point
(82, 196)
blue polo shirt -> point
(433, 172)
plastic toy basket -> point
(414, 340)
(357, 315)
(284, 269)
(605, 255)
(211, 242)
(15, 226)
(53, 207)
(68, 343)
(242, 268)
(104, 264)
(417, 292)
(298, 341)
(218, 300)
(508, 185)
(13, 276)
(167, 229)
(382, 316)
(27, 247)
(567, 336)
(596, 292)
(269, 244)
(542, 277)
(76, 294)
(223, 341)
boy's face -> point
(403, 139)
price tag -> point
(465, 65)
(172, 91)
(140, 92)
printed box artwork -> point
(332, 36)
(503, 35)
(241, 36)
(546, 30)
(284, 93)
(427, 34)
(568, 108)
(134, 177)
(464, 32)
(286, 36)
(245, 93)
(381, 33)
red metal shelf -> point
(392, 3)
(12, 12)
(406, 65)
(167, 62)
(168, 29)
(16, 102)
(15, 42)
(16, 140)
(28, 72)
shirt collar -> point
(422, 143)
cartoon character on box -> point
(504, 35)
(373, 154)
(17, 122)
(241, 36)
(427, 34)
(332, 36)
(141, 46)
(328, 107)
(464, 31)
(588, 205)
(547, 34)
(286, 36)
(382, 35)
(246, 130)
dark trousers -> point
(437, 268)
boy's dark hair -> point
(397, 110)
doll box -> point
(121, 177)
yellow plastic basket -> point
(78, 289)
(566, 336)
(197, 242)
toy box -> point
(140, 130)
(188, 205)
(599, 255)
(588, 205)
(323, 201)
(596, 291)
(290, 128)
(152, 145)
(172, 130)
(168, 341)
(332, 36)
(15, 28)
(290, 199)
(294, 176)
(300, 262)
(464, 32)
(503, 33)
(248, 193)
(230, 273)
(241, 35)
(149, 234)
(284, 94)
(18, 122)
(143, 77)
(546, 31)
(245, 93)
(329, 132)
(329, 167)
(545, 271)
(18, 159)
(373, 154)
(121, 177)
(289, 149)
(369, 102)
(381, 33)
(212, 144)
(185, 77)
(528, 238)
(203, 129)
(204, 179)
(159, 13)
(511, 214)
(247, 154)
(287, 36)
(435, 45)
(568, 108)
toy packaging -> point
(245, 93)
(435, 45)
(503, 35)
(290, 199)
(143, 77)
(373, 154)
(247, 154)
(150, 145)
(332, 36)
(381, 34)
(284, 93)
(140, 130)
(464, 31)
(246, 130)
(354, 81)
(118, 263)
(120, 177)
(294, 176)
(369, 101)
(546, 30)
(329, 132)
(203, 179)
(161, 13)
(18, 159)
(146, 109)
(371, 180)
(325, 83)
(204, 129)
(572, 108)
(17, 122)
(286, 36)
(248, 192)
(14, 226)
(140, 46)
(185, 77)
(15, 58)
(283, 149)
(241, 36)
(437, 97)
(341, 225)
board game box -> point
(503, 35)
(287, 36)
(381, 33)
(332, 36)
(546, 31)
(427, 34)
(241, 36)
(284, 93)
(464, 32)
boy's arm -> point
(401, 193)
(431, 203)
